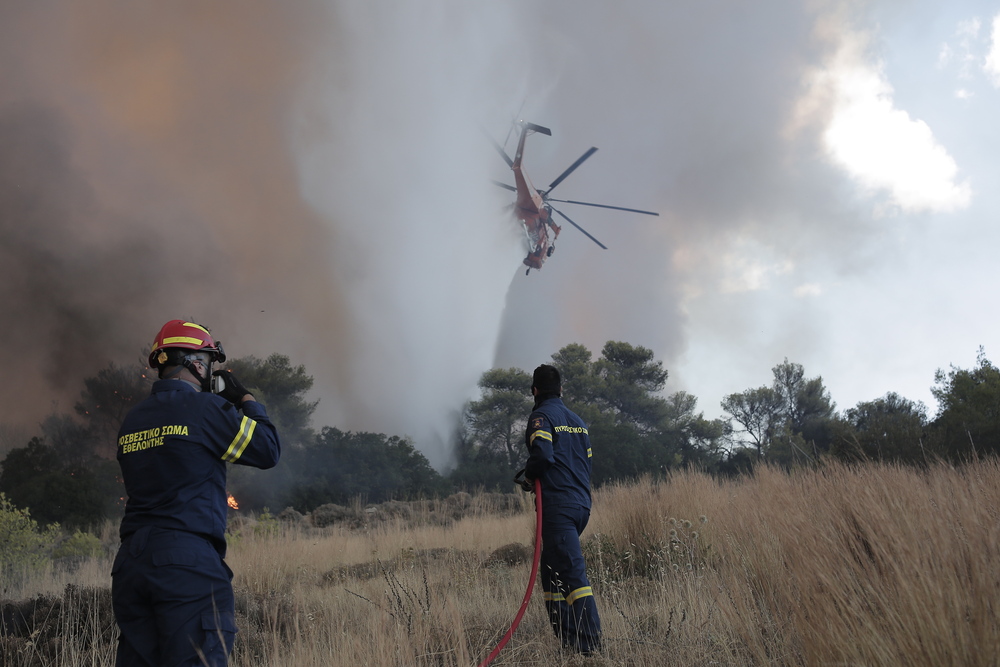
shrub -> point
(267, 524)
(23, 547)
(330, 513)
(79, 545)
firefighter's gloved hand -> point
(233, 390)
(524, 482)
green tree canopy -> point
(496, 421)
(631, 378)
(886, 429)
(699, 440)
(56, 491)
(968, 419)
(580, 382)
(791, 420)
(339, 466)
(758, 413)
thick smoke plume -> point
(145, 174)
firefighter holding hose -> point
(559, 455)
(171, 589)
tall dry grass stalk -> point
(872, 565)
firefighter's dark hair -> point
(546, 379)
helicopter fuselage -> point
(530, 209)
(532, 206)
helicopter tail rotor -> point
(537, 128)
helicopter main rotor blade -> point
(617, 208)
(504, 185)
(503, 153)
(585, 232)
(570, 169)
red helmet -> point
(186, 335)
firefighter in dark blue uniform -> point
(171, 589)
(559, 455)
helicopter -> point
(532, 207)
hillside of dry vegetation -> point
(872, 565)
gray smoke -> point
(690, 106)
(146, 175)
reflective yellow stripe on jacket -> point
(544, 435)
(241, 440)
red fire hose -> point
(531, 579)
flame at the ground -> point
(232, 502)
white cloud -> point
(880, 146)
(969, 29)
(967, 33)
(991, 65)
(945, 55)
(808, 290)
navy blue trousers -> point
(569, 599)
(173, 600)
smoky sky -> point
(311, 179)
(691, 108)
(145, 176)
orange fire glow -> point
(232, 502)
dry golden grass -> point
(874, 565)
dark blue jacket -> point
(173, 448)
(559, 454)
